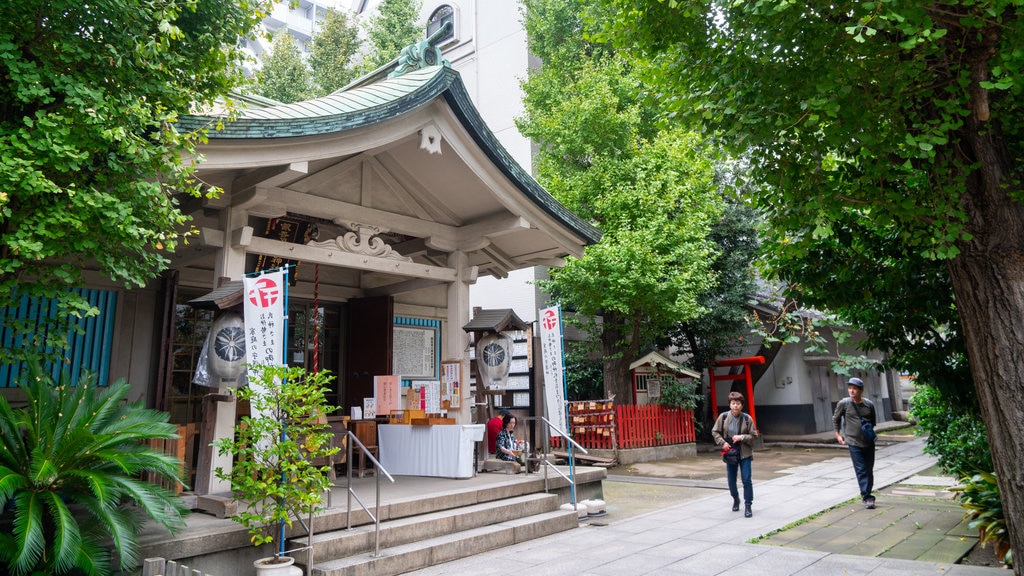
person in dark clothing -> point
(847, 423)
(507, 444)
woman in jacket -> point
(734, 430)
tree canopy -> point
(334, 45)
(392, 28)
(285, 76)
(873, 125)
(90, 160)
(652, 189)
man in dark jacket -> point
(847, 424)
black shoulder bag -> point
(732, 455)
(867, 429)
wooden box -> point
(405, 416)
(432, 421)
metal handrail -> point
(571, 478)
(348, 509)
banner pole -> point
(565, 411)
(282, 361)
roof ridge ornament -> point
(422, 54)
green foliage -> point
(979, 494)
(862, 172)
(90, 161)
(583, 378)
(717, 332)
(652, 190)
(330, 55)
(70, 462)
(874, 135)
(683, 394)
(285, 76)
(275, 447)
(955, 430)
(393, 27)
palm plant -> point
(71, 495)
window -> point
(439, 18)
(641, 382)
(89, 340)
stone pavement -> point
(703, 537)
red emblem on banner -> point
(265, 293)
(550, 320)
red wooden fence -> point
(601, 425)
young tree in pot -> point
(275, 447)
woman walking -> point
(734, 433)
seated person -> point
(506, 441)
(494, 425)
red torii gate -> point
(744, 375)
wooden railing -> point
(602, 425)
(179, 448)
(641, 426)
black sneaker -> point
(869, 503)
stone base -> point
(495, 465)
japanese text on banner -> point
(554, 367)
(264, 318)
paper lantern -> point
(493, 360)
(226, 356)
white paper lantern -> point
(226, 356)
(493, 360)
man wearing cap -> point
(846, 421)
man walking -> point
(849, 414)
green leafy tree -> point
(285, 76)
(905, 118)
(276, 449)
(90, 161)
(334, 44)
(651, 190)
(583, 375)
(392, 28)
(70, 462)
(717, 332)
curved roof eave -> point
(365, 105)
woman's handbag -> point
(731, 456)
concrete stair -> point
(426, 538)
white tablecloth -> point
(444, 450)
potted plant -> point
(273, 476)
(71, 499)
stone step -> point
(447, 547)
(359, 539)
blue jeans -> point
(864, 467)
(748, 485)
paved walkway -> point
(704, 537)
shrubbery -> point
(956, 432)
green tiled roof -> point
(366, 104)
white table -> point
(443, 450)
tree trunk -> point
(988, 281)
(617, 357)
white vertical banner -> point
(263, 300)
(553, 359)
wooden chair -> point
(366, 432)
